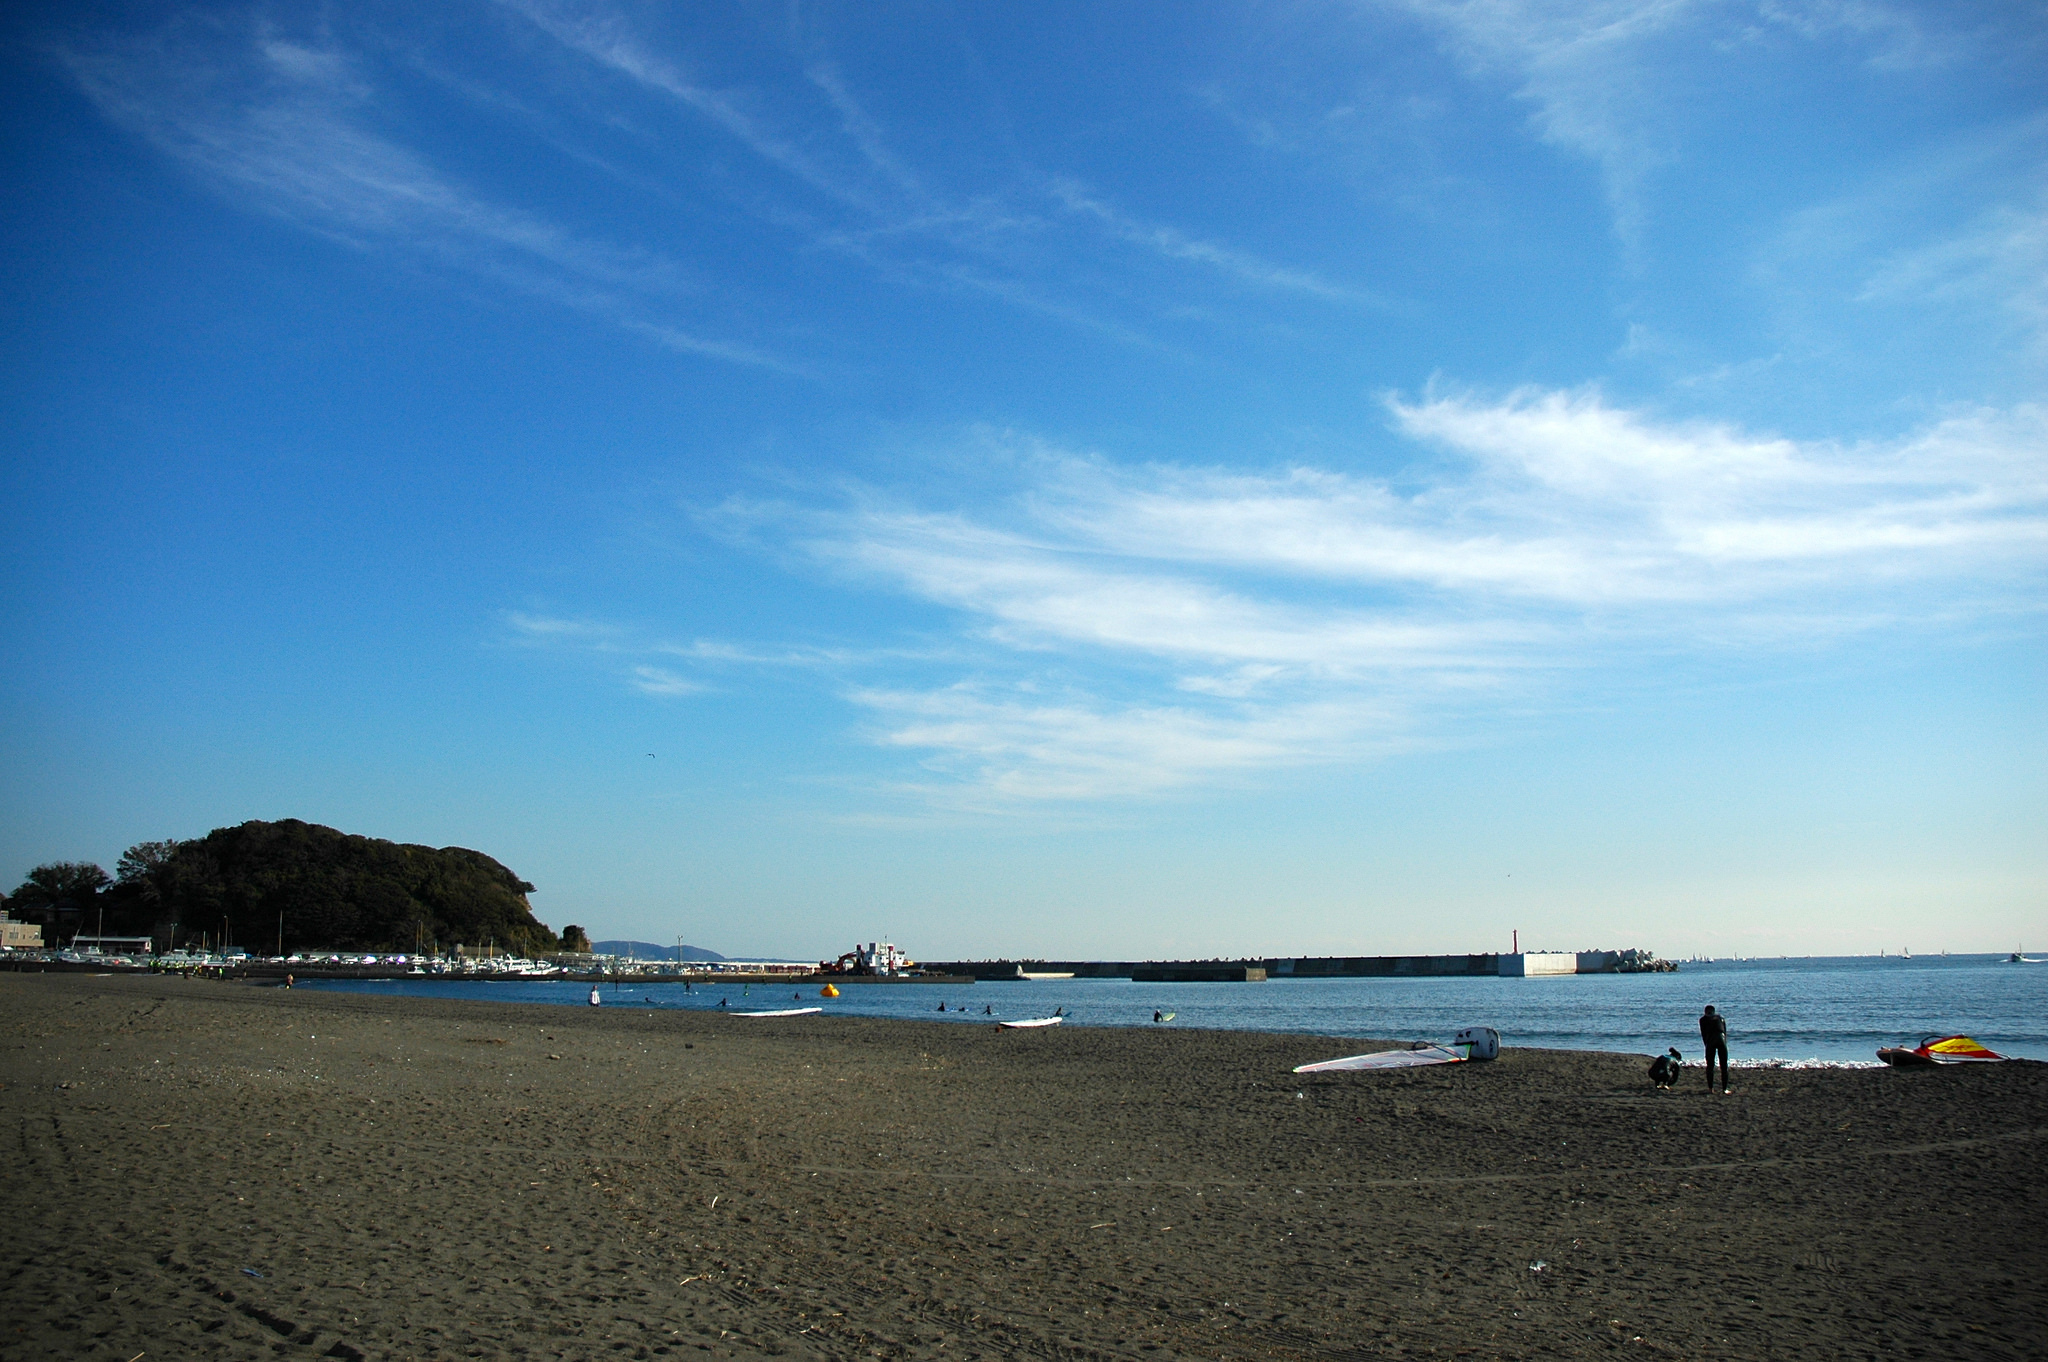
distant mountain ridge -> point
(647, 950)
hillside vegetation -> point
(325, 888)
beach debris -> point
(251, 1272)
(1538, 1265)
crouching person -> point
(1664, 1068)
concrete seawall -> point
(1530, 964)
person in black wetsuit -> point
(1665, 1068)
(1714, 1035)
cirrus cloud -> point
(1143, 627)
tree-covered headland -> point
(318, 887)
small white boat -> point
(785, 1012)
(1028, 1023)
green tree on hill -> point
(327, 889)
(60, 893)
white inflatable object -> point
(1477, 1042)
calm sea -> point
(1826, 1009)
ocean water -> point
(1830, 1010)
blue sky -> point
(1066, 480)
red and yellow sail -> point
(1955, 1050)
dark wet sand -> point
(468, 1179)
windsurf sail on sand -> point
(1940, 1050)
(785, 1012)
(1026, 1023)
(1387, 1059)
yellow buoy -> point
(829, 991)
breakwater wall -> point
(1527, 964)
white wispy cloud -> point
(1612, 80)
(1999, 258)
(855, 164)
(1211, 623)
(605, 36)
(662, 681)
(288, 127)
(1582, 65)
(996, 749)
(556, 628)
(1174, 244)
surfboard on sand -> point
(1387, 1059)
(1027, 1023)
(785, 1012)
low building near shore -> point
(20, 936)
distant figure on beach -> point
(595, 1001)
(988, 1009)
(1664, 1068)
(287, 981)
(942, 1007)
(721, 1002)
(1157, 1015)
(1714, 1035)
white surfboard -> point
(1387, 1059)
(1028, 1022)
(785, 1012)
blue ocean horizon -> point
(1825, 1009)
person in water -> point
(1714, 1035)
(1665, 1067)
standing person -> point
(1714, 1035)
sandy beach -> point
(201, 1170)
